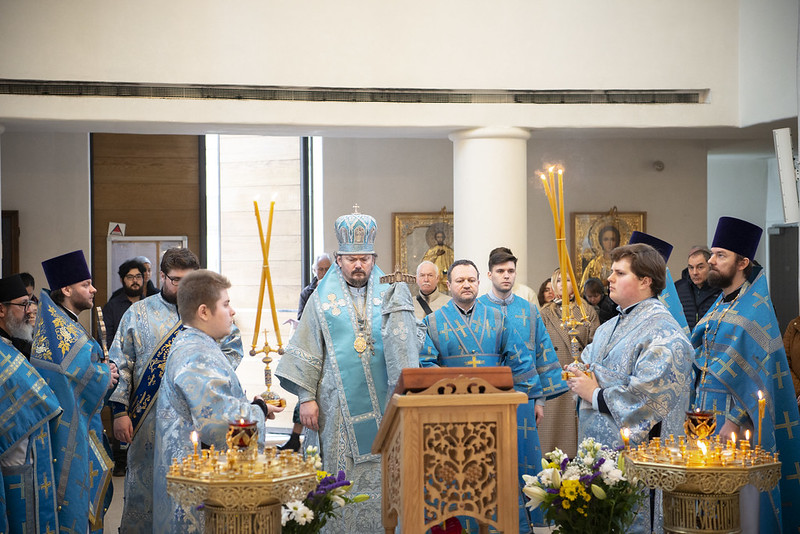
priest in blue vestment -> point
(640, 363)
(73, 365)
(343, 362)
(669, 295)
(28, 406)
(467, 332)
(525, 319)
(199, 392)
(739, 353)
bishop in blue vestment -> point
(354, 338)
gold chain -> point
(707, 344)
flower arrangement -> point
(311, 514)
(589, 493)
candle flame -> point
(551, 169)
(241, 421)
(542, 176)
(703, 447)
(560, 172)
(733, 437)
(760, 395)
(194, 436)
(747, 435)
(274, 196)
(626, 433)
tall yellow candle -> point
(269, 276)
(261, 286)
(761, 405)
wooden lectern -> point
(448, 442)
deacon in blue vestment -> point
(739, 354)
(466, 332)
(140, 350)
(669, 295)
(73, 365)
(526, 321)
(27, 408)
(343, 362)
(199, 392)
(641, 364)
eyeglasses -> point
(25, 305)
(174, 279)
(132, 277)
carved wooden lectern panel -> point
(461, 458)
(449, 447)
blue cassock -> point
(68, 360)
(741, 344)
(487, 340)
(527, 322)
(670, 299)
(27, 405)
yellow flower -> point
(565, 504)
(569, 489)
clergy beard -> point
(720, 280)
(19, 329)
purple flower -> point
(564, 463)
(330, 483)
(597, 464)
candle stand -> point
(241, 491)
(701, 478)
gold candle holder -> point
(699, 425)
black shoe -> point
(293, 444)
(119, 469)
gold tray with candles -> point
(241, 479)
(700, 475)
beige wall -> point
(390, 175)
(45, 176)
(254, 168)
(385, 176)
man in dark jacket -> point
(693, 289)
(320, 267)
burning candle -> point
(626, 437)
(761, 404)
(701, 444)
(745, 443)
(732, 442)
(194, 437)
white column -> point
(490, 195)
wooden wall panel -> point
(149, 182)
